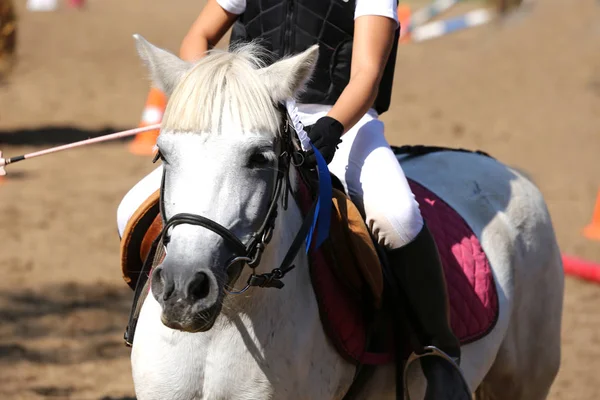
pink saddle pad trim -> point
(471, 286)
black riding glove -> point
(325, 134)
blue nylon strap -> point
(322, 217)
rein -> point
(250, 253)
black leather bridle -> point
(249, 253)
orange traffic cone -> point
(404, 19)
(592, 231)
(143, 144)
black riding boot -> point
(418, 270)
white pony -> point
(221, 157)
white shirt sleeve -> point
(236, 7)
(384, 8)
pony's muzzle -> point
(189, 299)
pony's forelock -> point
(223, 84)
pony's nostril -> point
(168, 289)
(199, 286)
(161, 284)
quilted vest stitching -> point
(288, 27)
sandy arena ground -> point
(527, 90)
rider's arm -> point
(373, 40)
(206, 31)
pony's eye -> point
(157, 156)
(258, 160)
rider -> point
(350, 88)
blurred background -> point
(524, 88)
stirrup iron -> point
(432, 351)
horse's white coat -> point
(269, 344)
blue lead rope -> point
(322, 217)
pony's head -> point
(220, 144)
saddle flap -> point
(142, 228)
(356, 261)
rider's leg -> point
(136, 196)
(374, 179)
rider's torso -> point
(291, 26)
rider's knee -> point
(394, 226)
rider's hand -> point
(325, 134)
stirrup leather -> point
(432, 351)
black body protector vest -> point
(287, 27)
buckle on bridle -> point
(297, 159)
(260, 247)
(268, 280)
(234, 261)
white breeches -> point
(367, 168)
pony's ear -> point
(285, 78)
(166, 69)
